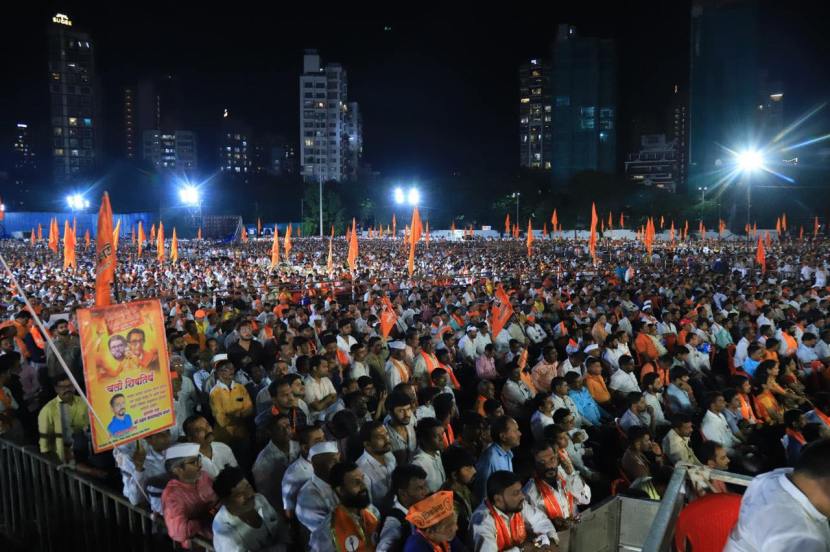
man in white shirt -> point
(317, 499)
(467, 346)
(274, 459)
(714, 425)
(624, 381)
(299, 471)
(787, 510)
(741, 349)
(697, 362)
(430, 434)
(215, 455)
(534, 331)
(377, 461)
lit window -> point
(525, 100)
(309, 142)
(87, 121)
(59, 152)
(73, 121)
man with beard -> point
(377, 461)
(353, 523)
(215, 455)
(188, 499)
(507, 521)
(548, 491)
(317, 498)
(112, 366)
(143, 360)
(69, 347)
(401, 433)
(246, 352)
(246, 520)
(121, 421)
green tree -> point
(333, 211)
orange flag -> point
(86, 239)
(53, 237)
(199, 234)
(258, 226)
(244, 235)
(416, 228)
(160, 243)
(671, 232)
(747, 228)
(592, 242)
(275, 248)
(104, 254)
(500, 313)
(330, 263)
(754, 229)
(686, 230)
(394, 227)
(662, 222)
(545, 229)
(426, 234)
(299, 231)
(784, 222)
(32, 237)
(452, 227)
(622, 220)
(287, 244)
(115, 235)
(388, 317)
(801, 233)
(141, 238)
(529, 237)
(153, 233)
(816, 227)
(610, 221)
(778, 226)
(352, 258)
(507, 224)
(348, 234)
(702, 230)
(39, 232)
(174, 247)
(68, 246)
(554, 220)
(380, 230)
(769, 241)
(761, 256)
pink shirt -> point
(188, 509)
(486, 367)
(542, 373)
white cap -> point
(591, 347)
(218, 358)
(397, 345)
(326, 447)
(472, 329)
(182, 450)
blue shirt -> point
(750, 366)
(493, 459)
(679, 400)
(586, 405)
(117, 426)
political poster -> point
(126, 369)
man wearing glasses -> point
(188, 500)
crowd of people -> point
(298, 423)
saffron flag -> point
(671, 232)
(413, 241)
(68, 246)
(39, 232)
(662, 222)
(778, 227)
(104, 254)
(686, 230)
(160, 243)
(352, 258)
(507, 224)
(286, 246)
(801, 233)
(545, 229)
(592, 242)
(784, 222)
(141, 237)
(622, 220)
(388, 317)
(816, 227)
(32, 237)
(529, 238)
(394, 227)
(115, 235)
(132, 234)
(426, 234)
(258, 226)
(761, 256)
(86, 239)
(769, 241)
(174, 247)
(275, 248)
(244, 235)
(554, 220)
(53, 236)
(299, 231)
(153, 233)
(501, 312)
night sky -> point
(437, 96)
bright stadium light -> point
(413, 197)
(399, 196)
(77, 202)
(750, 160)
(189, 195)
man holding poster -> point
(126, 368)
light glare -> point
(750, 160)
(414, 196)
(189, 195)
(399, 197)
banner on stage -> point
(126, 369)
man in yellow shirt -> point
(232, 408)
(60, 419)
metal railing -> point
(46, 506)
(661, 534)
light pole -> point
(702, 191)
(748, 162)
(517, 195)
(320, 185)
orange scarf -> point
(344, 527)
(506, 537)
(797, 436)
(402, 371)
(552, 507)
(746, 409)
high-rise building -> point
(235, 149)
(75, 123)
(171, 150)
(130, 124)
(353, 138)
(535, 143)
(24, 162)
(326, 149)
(679, 123)
(724, 85)
(656, 163)
(584, 105)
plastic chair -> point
(704, 524)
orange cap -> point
(430, 510)
(199, 313)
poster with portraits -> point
(128, 383)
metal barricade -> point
(45, 506)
